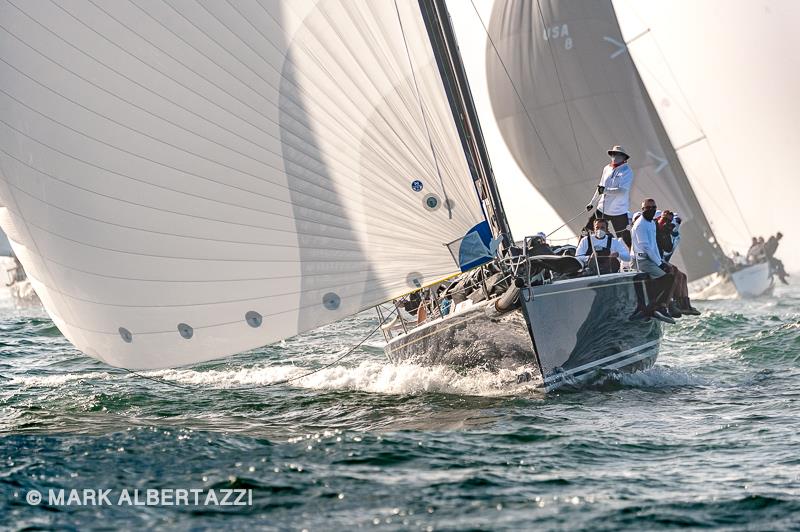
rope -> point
(422, 112)
(513, 86)
(276, 383)
(693, 118)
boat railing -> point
(435, 303)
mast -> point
(453, 74)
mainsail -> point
(564, 89)
(184, 181)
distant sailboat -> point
(579, 93)
(564, 88)
(15, 278)
(185, 182)
(728, 123)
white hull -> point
(751, 281)
(24, 292)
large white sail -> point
(724, 76)
(185, 180)
(564, 89)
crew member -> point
(753, 251)
(602, 246)
(613, 194)
(776, 265)
(648, 260)
(668, 237)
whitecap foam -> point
(660, 377)
(54, 381)
(368, 376)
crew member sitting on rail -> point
(601, 246)
(648, 260)
(775, 265)
(613, 194)
(668, 237)
(753, 252)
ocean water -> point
(709, 437)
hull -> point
(566, 332)
(581, 326)
(753, 281)
(473, 338)
(750, 281)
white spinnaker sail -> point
(724, 76)
(186, 180)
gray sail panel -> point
(573, 92)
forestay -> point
(185, 180)
(563, 90)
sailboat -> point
(714, 143)
(185, 182)
(563, 88)
(15, 279)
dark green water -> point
(707, 438)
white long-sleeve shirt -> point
(599, 244)
(618, 183)
(643, 239)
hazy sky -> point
(528, 213)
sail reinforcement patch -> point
(185, 330)
(431, 202)
(126, 335)
(253, 318)
(331, 301)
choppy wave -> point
(655, 378)
(778, 343)
(706, 438)
(368, 376)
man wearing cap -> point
(613, 194)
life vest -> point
(602, 252)
(606, 263)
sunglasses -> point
(650, 208)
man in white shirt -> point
(601, 249)
(613, 194)
(648, 260)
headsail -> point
(725, 83)
(185, 181)
(564, 89)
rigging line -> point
(672, 75)
(276, 383)
(561, 87)
(513, 85)
(447, 201)
(728, 187)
